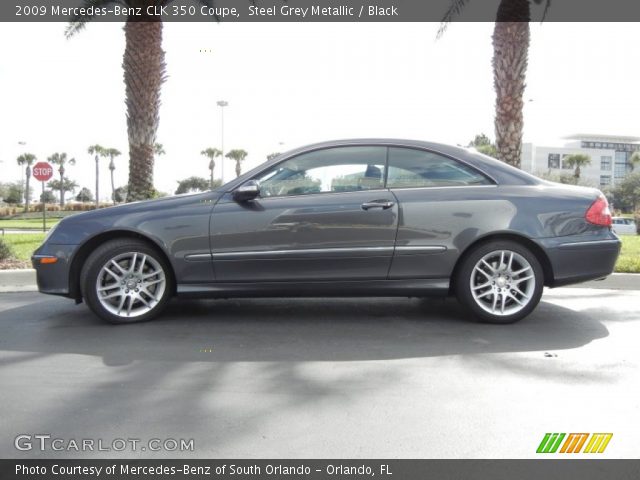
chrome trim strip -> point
(588, 243)
(421, 248)
(43, 256)
(302, 251)
(198, 256)
(282, 253)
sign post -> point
(43, 171)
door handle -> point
(383, 204)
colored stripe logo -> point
(573, 443)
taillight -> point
(599, 213)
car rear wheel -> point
(126, 281)
(500, 282)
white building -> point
(609, 157)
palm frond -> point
(456, 8)
(78, 22)
(547, 6)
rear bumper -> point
(53, 278)
(578, 260)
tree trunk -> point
(238, 168)
(144, 73)
(113, 187)
(97, 182)
(61, 189)
(26, 194)
(510, 52)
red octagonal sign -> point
(42, 171)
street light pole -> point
(222, 104)
(97, 182)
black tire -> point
(92, 273)
(500, 277)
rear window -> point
(411, 168)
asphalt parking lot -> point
(322, 378)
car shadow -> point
(296, 330)
(244, 377)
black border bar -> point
(320, 10)
(547, 469)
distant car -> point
(344, 218)
(624, 226)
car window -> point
(340, 169)
(410, 168)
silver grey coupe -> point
(362, 217)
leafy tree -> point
(98, 151)
(273, 155)
(27, 159)
(144, 73)
(577, 160)
(483, 144)
(634, 160)
(12, 192)
(120, 194)
(195, 184)
(238, 155)
(158, 149)
(85, 195)
(61, 160)
(112, 153)
(48, 197)
(211, 154)
(63, 186)
(511, 36)
(627, 192)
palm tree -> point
(27, 159)
(158, 149)
(144, 73)
(238, 155)
(510, 52)
(112, 153)
(211, 154)
(61, 160)
(577, 160)
(98, 151)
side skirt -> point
(421, 287)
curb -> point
(24, 280)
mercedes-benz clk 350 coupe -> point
(345, 218)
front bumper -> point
(53, 278)
(578, 259)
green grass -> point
(23, 244)
(629, 260)
(30, 223)
(38, 215)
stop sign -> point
(42, 171)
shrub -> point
(5, 250)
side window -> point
(338, 169)
(410, 168)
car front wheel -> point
(500, 282)
(126, 281)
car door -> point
(442, 204)
(321, 215)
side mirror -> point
(247, 191)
